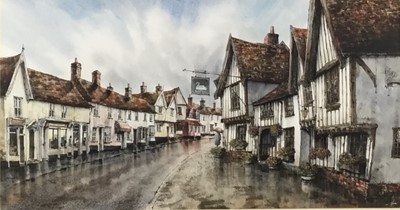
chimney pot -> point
(143, 88)
(76, 69)
(110, 88)
(128, 92)
(159, 89)
(96, 78)
(271, 38)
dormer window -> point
(17, 106)
(64, 112)
(51, 110)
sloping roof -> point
(169, 94)
(113, 99)
(150, 97)
(365, 26)
(206, 110)
(300, 40)
(49, 88)
(261, 62)
(278, 93)
(7, 67)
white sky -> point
(139, 41)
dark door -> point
(263, 153)
(31, 144)
(21, 146)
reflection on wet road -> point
(125, 182)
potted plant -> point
(249, 158)
(307, 171)
(253, 130)
(276, 130)
(323, 153)
(286, 153)
(218, 152)
(273, 162)
(238, 144)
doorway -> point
(267, 142)
(21, 146)
(31, 144)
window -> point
(109, 114)
(107, 135)
(129, 115)
(64, 112)
(151, 131)
(51, 110)
(144, 117)
(241, 132)
(119, 115)
(332, 88)
(308, 95)
(160, 110)
(204, 118)
(289, 110)
(267, 111)
(172, 112)
(179, 110)
(158, 127)
(321, 141)
(96, 110)
(17, 106)
(211, 127)
(136, 116)
(15, 133)
(94, 134)
(396, 143)
(235, 100)
(289, 140)
(53, 138)
(151, 117)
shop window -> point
(53, 138)
(13, 135)
(107, 135)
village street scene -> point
(199, 104)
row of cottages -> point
(250, 70)
(349, 90)
(209, 118)
(45, 117)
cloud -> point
(139, 41)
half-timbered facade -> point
(250, 70)
(352, 61)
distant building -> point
(210, 118)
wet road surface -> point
(125, 182)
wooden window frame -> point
(332, 89)
(289, 107)
(109, 114)
(17, 106)
(179, 111)
(64, 112)
(51, 110)
(396, 143)
(235, 99)
(241, 132)
(136, 116)
(267, 111)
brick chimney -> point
(158, 89)
(128, 92)
(202, 102)
(190, 101)
(271, 37)
(96, 78)
(110, 88)
(143, 88)
(76, 69)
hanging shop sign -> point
(200, 85)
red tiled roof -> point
(49, 88)
(150, 97)
(113, 99)
(169, 94)
(7, 67)
(261, 62)
(300, 40)
(365, 26)
(278, 93)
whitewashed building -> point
(210, 118)
(250, 70)
(43, 116)
(352, 64)
(181, 107)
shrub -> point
(306, 169)
(273, 161)
(320, 153)
(238, 144)
(217, 151)
(349, 160)
(286, 151)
